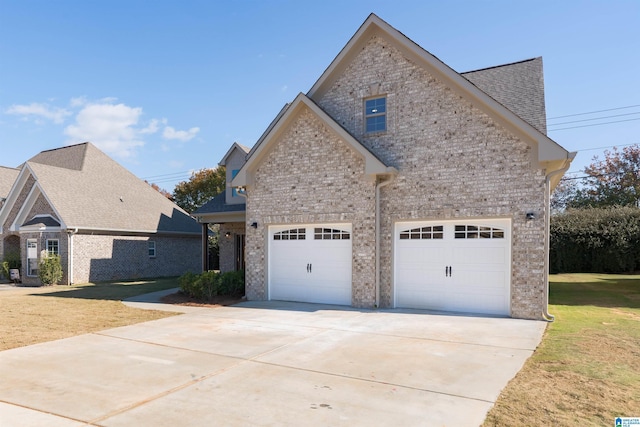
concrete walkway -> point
(270, 363)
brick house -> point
(396, 181)
(105, 223)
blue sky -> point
(165, 87)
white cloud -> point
(152, 127)
(111, 127)
(181, 135)
(55, 114)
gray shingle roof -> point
(88, 189)
(217, 204)
(7, 178)
(47, 221)
(518, 86)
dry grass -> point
(34, 315)
(586, 371)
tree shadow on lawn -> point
(112, 291)
(600, 290)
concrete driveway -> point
(270, 363)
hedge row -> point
(595, 240)
(205, 286)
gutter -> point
(392, 172)
(70, 234)
(545, 314)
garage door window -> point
(477, 232)
(292, 234)
(330, 234)
(432, 232)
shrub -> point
(50, 270)
(596, 240)
(11, 260)
(207, 285)
(232, 283)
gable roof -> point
(7, 178)
(90, 191)
(235, 146)
(519, 86)
(373, 165)
(547, 153)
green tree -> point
(162, 191)
(612, 181)
(200, 188)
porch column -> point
(205, 247)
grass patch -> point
(586, 371)
(34, 315)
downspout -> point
(390, 177)
(70, 234)
(545, 314)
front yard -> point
(586, 371)
(32, 315)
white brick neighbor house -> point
(105, 223)
(396, 181)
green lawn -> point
(586, 371)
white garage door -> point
(310, 263)
(462, 265)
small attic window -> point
(375, 114)
(234, 191)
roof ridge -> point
(501, 65)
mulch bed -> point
(218, 301)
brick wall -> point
(454, 161)
(312, 176)
(103, 257)
(227, 244)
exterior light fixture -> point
(254, 224)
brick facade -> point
(107, 257)
(453, 161)
(227, 244)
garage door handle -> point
(447, 271)
(308, 267)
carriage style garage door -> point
(460, 265)
(310, 263)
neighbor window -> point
(152, 248)
(53, 247)
(32, 257)
(375, 113)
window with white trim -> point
(234, 190)
(53, 247)
(32, 257)
(330, 234)
(478, 232)
(422, 233)
(375, 115)
(151, 245)
(293, 234)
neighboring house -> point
(399, 182)
(105, 223)
(7, 178)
